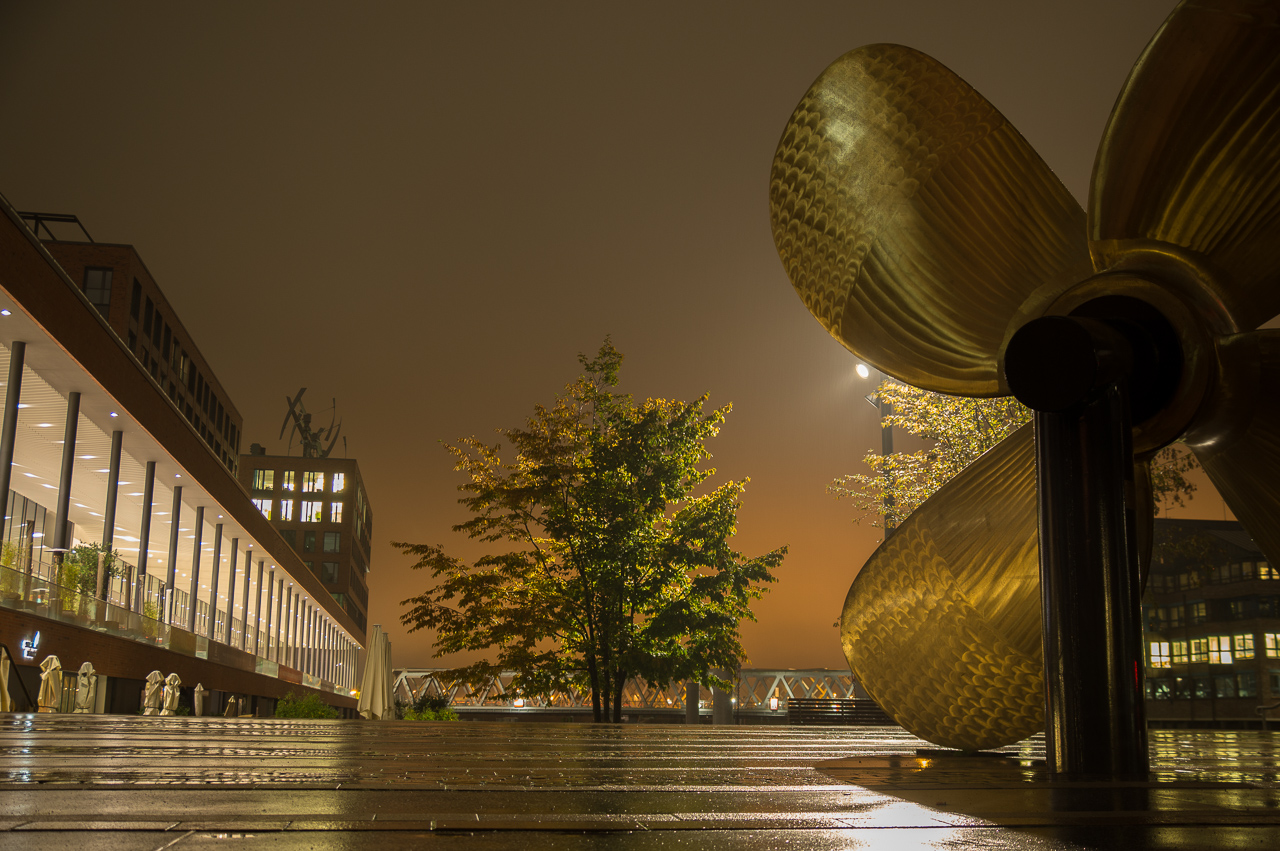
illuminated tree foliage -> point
(611, 566)
(958, 430)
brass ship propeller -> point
(923, 232)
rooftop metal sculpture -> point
(925, 234)
(315, 443)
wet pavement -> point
(115, 782)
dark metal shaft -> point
(1091, 591)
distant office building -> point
(321, 509)
(1212, 618)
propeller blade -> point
(942, 624)
(1188, 161)
(1240, 447)
(916, 224)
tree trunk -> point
(594, 672)
(620, 684)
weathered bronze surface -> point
(921, 231)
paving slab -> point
(125, 782)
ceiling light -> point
(113, 414)
(6, 312)
(44, 425)
(87, 457)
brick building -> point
(1212, 619)
(321, 509)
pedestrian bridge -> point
(758, 691)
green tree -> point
(611, 565)
(959, 429)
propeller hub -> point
(1171, 339)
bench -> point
(830, 711)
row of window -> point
(264, 480)
(1244, 571)
(331, 542)
(310, 511)
(1162, 618)
(1243, 684)
(1214, 649)
(170, 364)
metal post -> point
(886, 449)
(9, 430)
(195, 572)
(244, 619)
(213, 581)
(61, 525)
(1074, 373)
(144, 536)
(279, 658)
(166, 606)
(231, 588)
(109, 514)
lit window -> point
(311, 512)
(1199, 650)
(1219, 650)
(1159, 689)
(339, 482)
(335, 512)
(312, 482)
(286, 509)
(286, 480)
(1266, 571)
(1243, 645)
(329, 572)
(332, 542)
(264, 505)
(263, 480)
(1179, 652)
(1159, 654)
(1271, 641)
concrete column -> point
(271, 595)
(231, 590)
(286, 646)
(213, 582)
(311, 638)
(244, 620)
(144, 541)
(195, 571)
(279, 618)
(109, 514)
(9, 430)
(61, 527)
(166, 607)
(257, 604)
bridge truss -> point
(755, 689)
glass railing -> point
(36, 591)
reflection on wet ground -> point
(125, 782)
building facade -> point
(1212, 619)
(117, 438)
(321, 509)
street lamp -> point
(886, 440)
